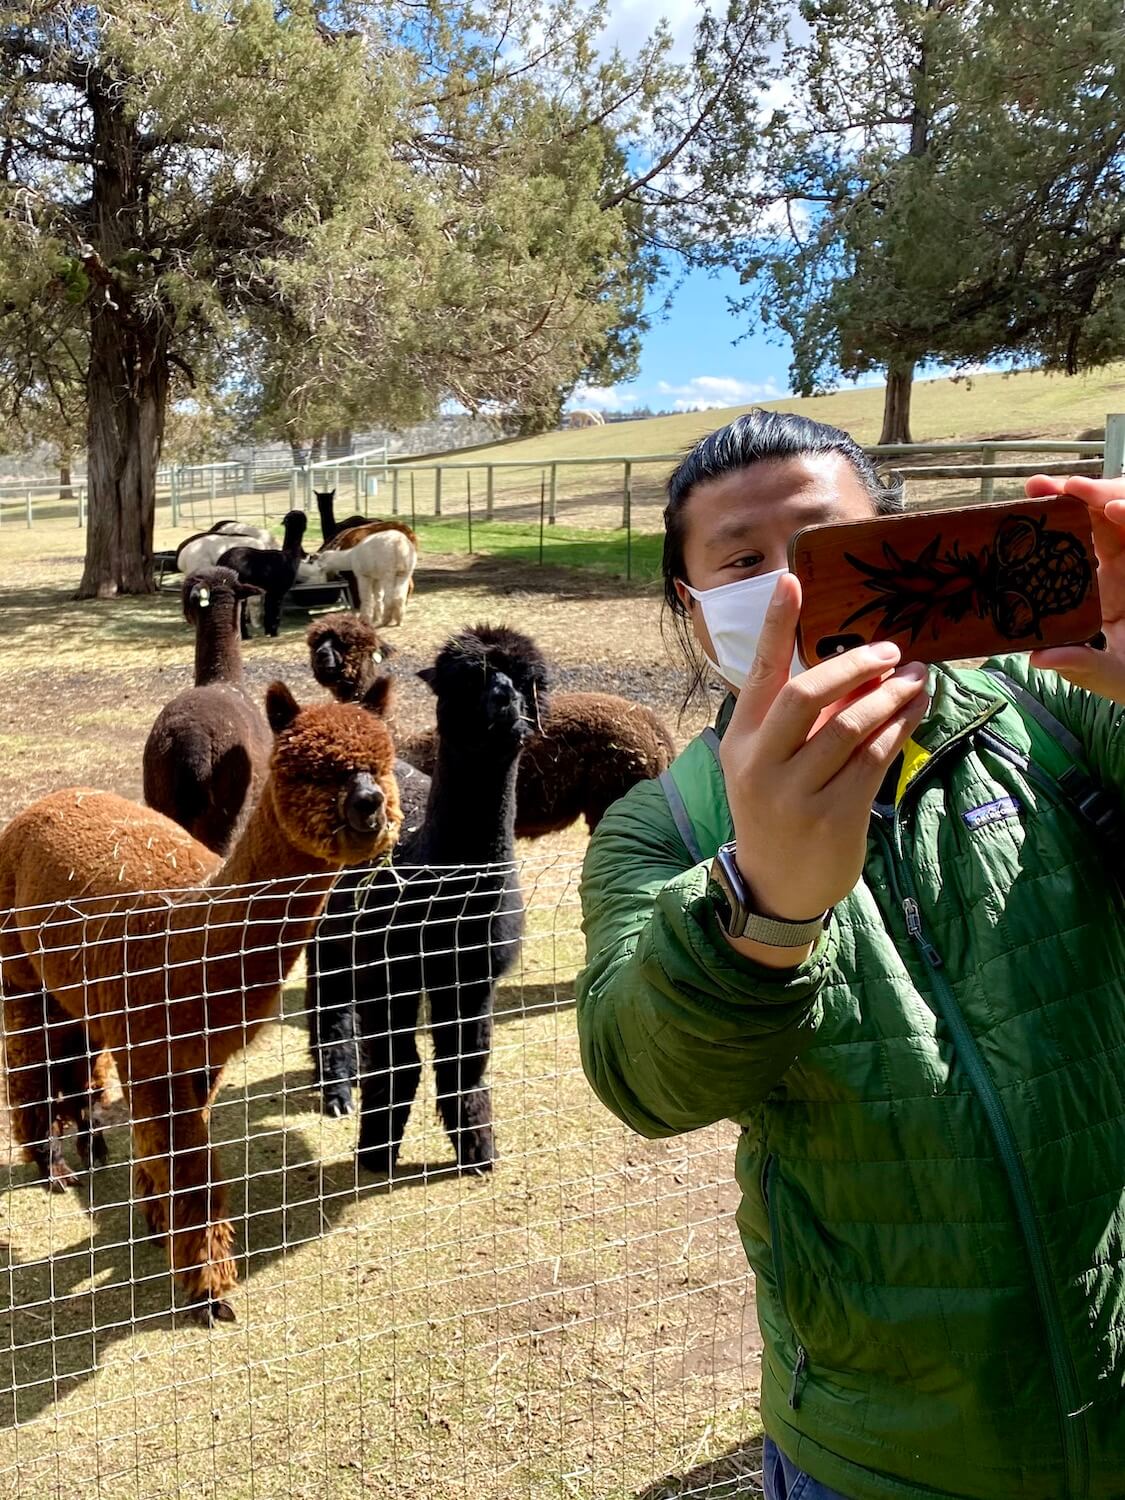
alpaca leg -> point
(366, 597)
(271, 613)
(172, 1142)
(462, 1036)
(28, 1022)
(329, 1002)
(389, 1076)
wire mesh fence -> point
(577, 1321)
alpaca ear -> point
(384, 651)
(281, 707)
(379, 696)
(427, 674)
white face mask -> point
(734, 614)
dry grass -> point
(581, 1325)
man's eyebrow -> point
(732, 529)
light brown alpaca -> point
(119, 931)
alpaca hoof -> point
(476, 1155)
(55, 1176)
(215, 1311)
(93, 1150)
(337, 1102)
(379, 1160)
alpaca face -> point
(215, 594)
(342, 650)
(491, 687)
(332, 776)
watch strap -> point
(734, 908)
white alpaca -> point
(205, 551)
(383, 566)
(244, 528)
(586, 419)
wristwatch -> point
(733, 908)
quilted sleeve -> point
(1097, 723)
(677, 1031)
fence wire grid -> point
(578, 1322)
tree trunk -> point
(316, 450)
(896, 403)
(66, 492)
(127, 382)
(126, 401)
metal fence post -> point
(627, 493)
(30, 516)
(490, 493)
(469, 506)
(1113, 458)
(437, 490)
(988, 456)
(394, 492)
(174, 482)
(554, 494)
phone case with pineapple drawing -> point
(950, 584)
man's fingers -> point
(854, 724)
(861, 776)
(774, 657)
(800, 702)
(1097, 493)
(1099, 671)
(1042, 486)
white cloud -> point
(601, 398)
(705, 391)
(632, 22)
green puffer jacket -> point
(932, 1156)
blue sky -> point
(690, 359)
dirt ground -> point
(581, 1326)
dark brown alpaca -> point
(207, 754)
(120, 931)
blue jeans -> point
(784, 1481)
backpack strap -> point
(1096, 806)
(681, 818)
(694, 781)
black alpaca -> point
(447, 920)
(274, 572)
(329, 526)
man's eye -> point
(748, 560)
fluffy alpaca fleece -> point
(426, 927)
(383, 567)
(207, 754)
(205, 548)
(133, 935)
(593, 748)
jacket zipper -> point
(1062, 1367)
(801, 1359)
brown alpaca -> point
(119, 931)
(349, 536)
(592, 749)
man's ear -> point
(379, 697)
(682, 593)
(281, 707)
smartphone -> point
(948, 584)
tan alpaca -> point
(119, 931)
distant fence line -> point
(535, 491)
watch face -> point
(723, 896)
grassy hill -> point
(991, 406)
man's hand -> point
(803, 758)
(1102, 672)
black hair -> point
(756, 437)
